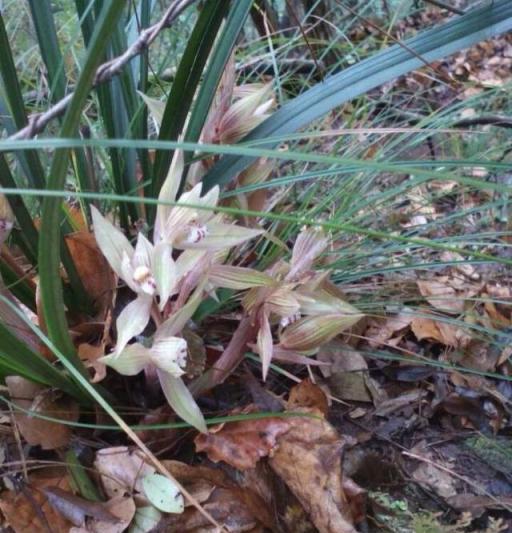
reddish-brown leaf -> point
(242, 444)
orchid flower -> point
(168, 357)
(194, 227)
(309, 310)
(148, 270)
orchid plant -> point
(306, 307)
(154, 273)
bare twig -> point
(106, 71)
(485, 120)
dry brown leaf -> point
(447, 334)
(227, 509)
(348, 376)
(74, 508)
(427, 474)
(308, 459)
(90, 354)
(93, 268)
(121, 508)
(239, 508)
(121, 470)
(36, 431)
(242, 444)
(29, 511)
(465, 269)
(441, 296)
(384, 331)
(307, 394)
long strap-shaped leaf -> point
(462, 32)
(185, 83)
(49, 257)
(220, 56)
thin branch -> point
(485, 120)
(105, 72)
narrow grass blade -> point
(461, 32)
(16, 105)
(186, 81)
(49, 256)
(17, 358)
(46, 32)
(218, 60)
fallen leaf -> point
(239, 507)
(447, 334)
(384, 331)
(307, 394)
(93, 269)
(163, 493)
(90, 355)
(427, 474)
(308, 459)
(402, 401)
(122, 471)
(74, 508)
(37, 431)
(242, 444)
(34, 513)
(121, 508)
(463, 267)
(145, 519)
(348, 376)
(441, 296)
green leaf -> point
(145, 519)
(218, 60)
(16, 105)
(163, 493)
(186, 80)
(83, 482)
(46, 32)
(49, 256)
(19, 359)
(461, 32)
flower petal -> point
(181, 400)
(222, 236)
(170, 355)
(309, 245)
(132, 320)
(130, 361)
(186, 262)
(321, 302)
(112, 242)
(168, 194)
(210, 199)
(311, 332)
(164, 272)
(265, 345)
(143, 252)
(127, 273)
(237, 278)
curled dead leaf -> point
(93, 269)
(307, 394)
(37, 431)
(242, 444)
(308, 459)
(29, 510)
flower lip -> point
(196, 233)
(143, 277)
